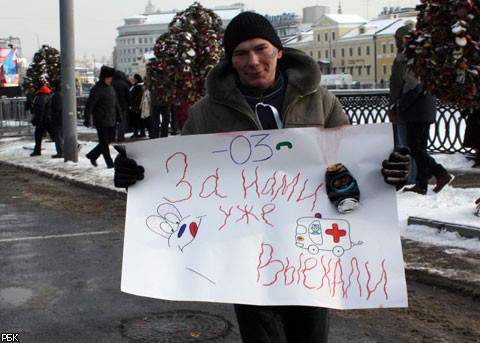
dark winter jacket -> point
(122, 89)
(396, 87)
(136, 92)
(471, 138)
(56, 108)
(102, 105)
(41, 107)
(306, 103)
(415, 104)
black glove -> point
(127, 171)
(396, 170)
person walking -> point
(418, 109)
(55, 118)
(41, 110)
(261, 85)
(396, 85)
(103, 106)
(122, 90)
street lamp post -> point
(375, 61)
(69, 99)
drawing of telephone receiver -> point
(342, 188)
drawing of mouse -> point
(169, 223)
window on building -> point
(384, 48)
(392, 48)
(350, 50)
(359, 51)
(367, 50)
(319, 54)
(140, 41)
(333, 35)
(334, 54)
(359, 70)
(318, 37)
(311, 53)
(343, 52)
(326, 36)
(326, 54)
(384, 69)
(334, 70)
(368, 70)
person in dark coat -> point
(122, 90)
(103, 106)
(55, 121)
(396, 85)
(136, 92)
(417, 108)
(41, 109)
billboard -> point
(8, 68)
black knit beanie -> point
(248, 25)
(106, 71)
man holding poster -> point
(261, 85)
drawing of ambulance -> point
(317, 233)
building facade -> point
(340, 43)
(345, 43)
(137, 36)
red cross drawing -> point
(336, 233)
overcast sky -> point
(96, 21)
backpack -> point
(46, 115)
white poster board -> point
(218, 218)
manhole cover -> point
(175, 326)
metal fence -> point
(14, 119)
(362, 106)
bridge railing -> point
(371, 106)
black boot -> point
(92, 160)
(477, 162)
